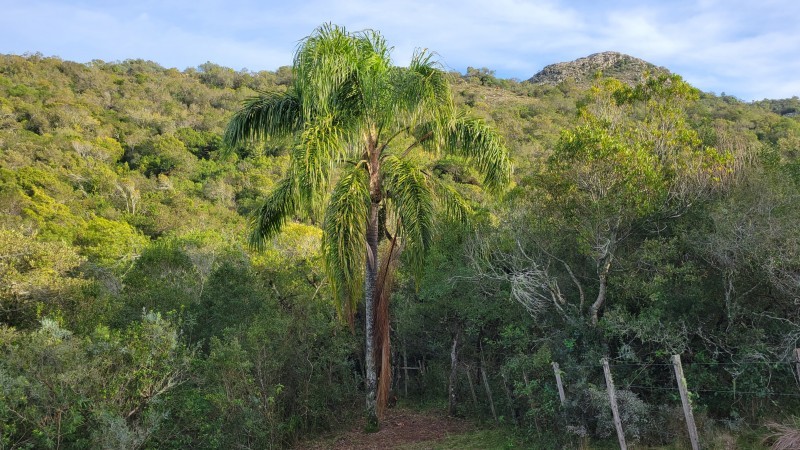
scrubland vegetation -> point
(641, 221)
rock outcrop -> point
(582, 70)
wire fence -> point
(691, 382)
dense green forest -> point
(643, 220)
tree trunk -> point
(370, 284)
(488, 392)
(405, 370)
(382, 326)
(451, 410)
(510, 397)
(603, 269)
(601, 294)
(472, 387)
(486, 385)
(370, 280)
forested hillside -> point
(644, 220)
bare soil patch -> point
(400, 427)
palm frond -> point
(344, 239)
(343, 76)
(430, 135)
(484, 148)
(421, 95)
(434, 87)
(411, 199)
(371, 74)
(454, 205)
(268, 115)
(323, 63)
(321, 144)
(281, 204)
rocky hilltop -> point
(582, 70)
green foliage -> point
(115, 198)
(107, 149)
(631, 184)
(343, 229)
(475, 440)
(633, 412)
(35, 277)
(348, 103)
(109, 384)
(202, 144)
(484, 77)
(164, 156)
(111, 244)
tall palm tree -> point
(355, 119)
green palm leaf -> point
(412, 201)
(344, 239)
(321, 144)
(484, 148)
(268, 115)
(454, 205)
(323, 64)
(274, 212)
(421, 96)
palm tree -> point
(356, 122)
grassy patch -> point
(478, 439)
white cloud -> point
(744, 48)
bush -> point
(597, 420)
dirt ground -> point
(400, 427)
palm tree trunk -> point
(370, 282)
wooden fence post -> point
(558, 383)
(612, 397)
(687, 406)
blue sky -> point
(749, 49)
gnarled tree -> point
(631, 163)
